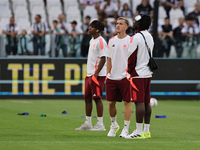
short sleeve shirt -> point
(118, 52)
(97, 50)
(9, 28)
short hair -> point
(126, 21)
(98, 25)
(55, 21)
(166, 18)
(39, 16)
(88, 17)
(144, 22)
(189, 17)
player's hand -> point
(95, 75)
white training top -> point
(118, 52)
(139, 56)
(97, 50)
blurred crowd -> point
(72, 38)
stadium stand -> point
(24, 11)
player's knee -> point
(88, 101)
(112, 103)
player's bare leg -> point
(112, 108)
(114, 125)
(140, 112)
(147, 118)
(88, 107)
(147, 115)
(88, 110)
(99, 106)
(127, 117)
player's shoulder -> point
(101, 39)
(112, 39)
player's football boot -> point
(135, 135)
(98, 127)
(113, 130)
(147, 135)
(84, 126)
(124, 133)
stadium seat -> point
(90, 11)
(16, 3)
(4, 2)
(161, 15)
(3, 21)
(68, 3)
(125, 1)
(175, 14)
(5, 11)
(53, 3)
(189, 3)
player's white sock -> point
(113, 120)
(88, 120)
(126, 124)
(100, 120)
(146, 128)
(139, 128)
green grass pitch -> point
(179, 131)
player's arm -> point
(109, 65)
(100, 66)
(5, 32)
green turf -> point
(179, 131)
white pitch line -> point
(79, 142)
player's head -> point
(122, 25)
(142, 22)
(96, 27)
(167, 21)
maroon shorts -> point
(140, 90)
(118, 90)
(94, 87)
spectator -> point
(109, 8)
(108, 30)
(144, 8)
(11, 30)
(59, 39)
(174, 4)
(166, 33)
(126, 12)
(86, 37)
(63, 26)
(39, 30)
(24, 42)
(74, 39)
(101, 16)
(191, 32)
(178, 38)
(196, 12)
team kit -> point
(122, 64)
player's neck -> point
(121, 35)
(95, 36)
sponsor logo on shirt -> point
(93, 45)
(113, 45)
(125, 46)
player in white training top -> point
(117, 84)
(141, 75)
(96, 73)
